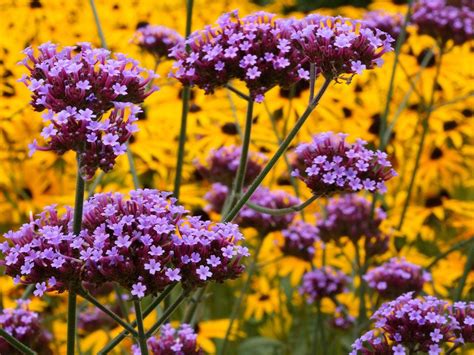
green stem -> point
(282, 211)
(186, 95)
(281, 149)
(425, 127)
(293, 181)
(16, 344)
(312, 81)
(95, 183)
(28, 291)
(98, 25)
(77, 221)
(240, 178)
(243, 292)
(141, 330)
(360, 271)
(467, 269)
(238, 93)
(112, 344)
(133, 170)
(107, 311)
(167, 314)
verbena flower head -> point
(390, 23)
(408, 324)
(25, 326)
(247, 217)
(97, 143)
(351, 216)
(131, 240)
(330, 164)
(44, 252)
(299, 240)
(222, 165)
(205, 251)
(173, 341)
(255, 49)
(82, 77)
(340, 46)
(158, 40)
(462, 313)
(445, 20)
(396, 277)
(143, 244)
(324, 282)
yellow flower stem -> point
(243, 293)
(281, 149)
(455, 247)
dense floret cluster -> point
(330, 164)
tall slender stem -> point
(194, 302)
(425, 127)
(16, 343)
(240, 178)
(133, 170)
(360, 272)
(77, 221)
(184, 111)
(243, 292)
(97, 22)
(312, 81)
(141, 330)
(281, 149)
(114, 342)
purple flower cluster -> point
(206, 251)
(339, 46)
(445, 20)
(44, 252)
(77, 86)
(329, 164)
(82, 77)
(324, 282)
(98, 144)
(222, 165)
(255, 49)
(462, 314)
(25, 326)
(407, 325)
(173, 341)
(142, 243)
(386, 22)
(158, 40)
(299, 240)
(396, 277)
(247, 217)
